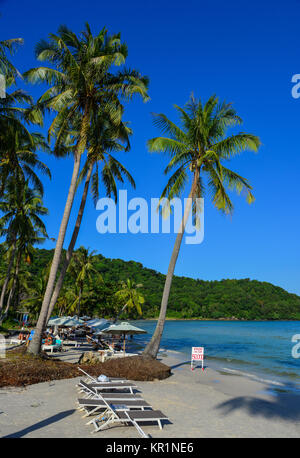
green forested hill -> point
(190, 298)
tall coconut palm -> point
(81, 80)
(130, 297)
(21, 209)
(107, 135)
(198, 150)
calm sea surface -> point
(263, 349)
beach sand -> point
(198, 404)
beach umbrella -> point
(97, 323)
(55, 321)
(124, 329)
(67, 321)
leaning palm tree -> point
(198, 150)
(108, 134)
(80, 82)
(130, 297)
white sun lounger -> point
(94, 405)
(100, 386)
(118, 413)
(52, 347)
(91, 392)
(93, 379)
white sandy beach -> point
(199, 404)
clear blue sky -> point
(246, 53)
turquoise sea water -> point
(250, 347)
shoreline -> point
(218, 319)
(276, 383)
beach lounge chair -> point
(119, 413)
(111, 396)
(95, 402)
(100, 386)
(51, 348)
(90, 378)
(91, 392)
(94, 405)
(111, 386)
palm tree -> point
(7, 69)
(81, 269)
(130, 297)
(197, 152)
(19, 158)
(20, 222)
(106, 136)
(35, 295)
(67, 302)
(12, 111)
(80, 82)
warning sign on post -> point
(197, 355)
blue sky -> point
(246, 53)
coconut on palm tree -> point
(198, 150)
(81, 81)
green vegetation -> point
(189, 298)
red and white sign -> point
(197, 355)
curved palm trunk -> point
(152, 348)
(5, 284)
(35, 344)
(69, 253)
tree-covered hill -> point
(242, 299)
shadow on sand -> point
(186, 363)
(41, 424)
(285, 404)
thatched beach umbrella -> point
(124, 329)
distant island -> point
(190, 298)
